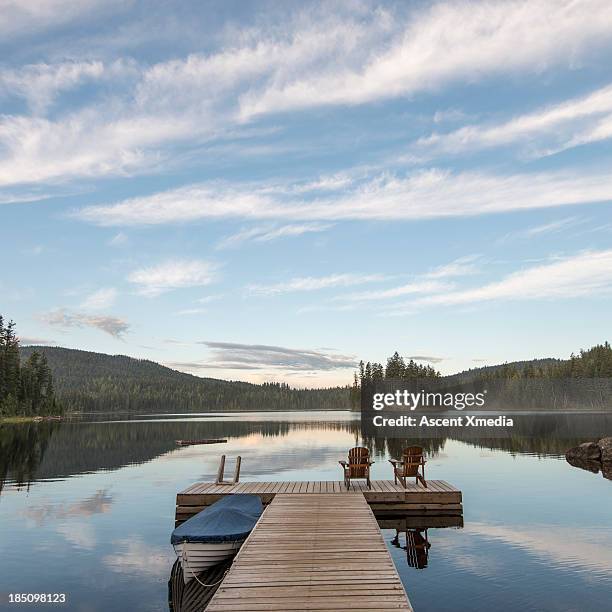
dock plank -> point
(313, 551)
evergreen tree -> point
(396, 368)
(24, 390)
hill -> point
(95, 382)
(499, 369)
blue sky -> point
(272, 191)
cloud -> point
(429, 282)
(63, 318)
(426, 194)
(551, 228)
(568, 124)
(191, 311)
(427, 50)
(119, 239)
(173, 274)
(38, 84)
(139, 114)
(30, 341)
(100, 300)
(269, 233)
(428, 358)
(312, 283)
(585, 274)
(460, 267)
(19, 17)
(230, 355)
(416, 287)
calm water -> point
(87, 509)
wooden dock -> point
(310, 551)
(385, 497)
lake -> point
(87, 508)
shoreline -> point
(14, 420)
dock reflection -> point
(412, 534)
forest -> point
(94, 382)
(26, 389)
(537, 384)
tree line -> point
(595, 362)
(93, 382)
(26, 389)
(396, 368)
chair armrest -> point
(342, 463)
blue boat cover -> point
(231, 519)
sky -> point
(272, 191)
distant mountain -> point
(96, 382)
(472, 373)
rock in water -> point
(585, 464)
(605, 448)
(589, 451)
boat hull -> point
(196, 557)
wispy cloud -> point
(552, 227)
(65, 319)
(551, 129)
(29, 340)
(314, 283)
(307, 58)
(429, 50)
(38, 84)
(119, 239)
(582, 275)
(428, 358)
(231, 355)
(174, 274)
(100, 300)
(462, 266)
(430, 282)
(418, 287)
(20, 17)
(191, 311)
(270, 233)
(426, 194)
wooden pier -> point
(385, 497)
(317, 550)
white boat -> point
(216, 533)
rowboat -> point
(216, 533)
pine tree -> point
(395, 366)
(24, 389)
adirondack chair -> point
(358, 466)
(412, 464)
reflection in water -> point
(99, 518)
(417, 547)
(59, 450)
(22, 448)
(196, 594)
